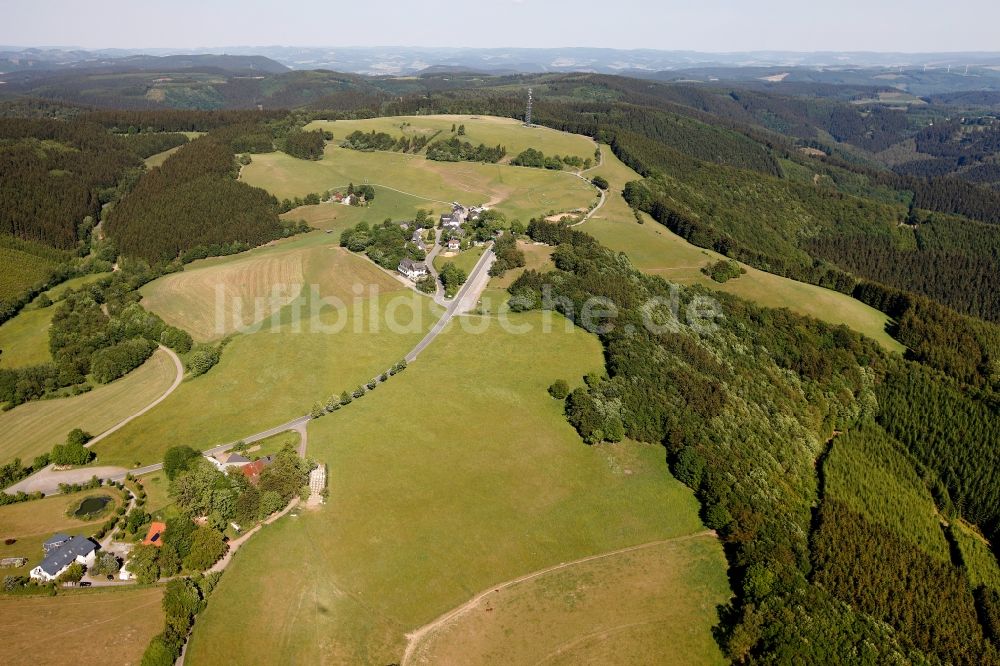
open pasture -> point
(655, 249)
(35, 427)
(519, 192)
(97, 626)
(275, 374)
(25, 338)
(260, 283)
(441, 485)
(487, 130)
(644, 606)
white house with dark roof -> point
(61, 554)
(55, 541)
(412, 269)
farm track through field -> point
(47, 480)
(415, 637)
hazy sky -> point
(705, 25)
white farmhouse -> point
(62, 551)
(412, 269)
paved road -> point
(48, 480)
(469, 293)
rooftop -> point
(66, 553)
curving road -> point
(47, 480)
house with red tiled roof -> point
(154, 537)
(253, 470)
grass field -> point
(645, 606)
(159, 158)
(464, 260)
(31, 523)
(519, 192)
(274, 375)
(495, 296)
(260, 283)
(488, 130)
(273, 444)
(388, 204)
(442, 484)
(655, 249)
(35, 427)
(157, 486)
(98, 626)
(25, 338)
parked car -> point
(86, 584)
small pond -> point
(92, 505)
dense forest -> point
(54, 174)
(193, 200)
(668, 386)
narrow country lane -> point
(47, 480)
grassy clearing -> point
(35, 427)
(335, 218)
(274, 375)
(464, 260)
(637, 607)
(520, 193)
(260, 283)
(31, 523)
(655, 249)
(441, 484)
(273, 444)
(25, 338)
(86, 627)
(979, 560)
(495, 296)
(488, 130)
(159, 158)
(157, 486)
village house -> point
(253, 470)
(418, 239)
(412, 269)
(223, 461)
(61, 551)
(454, 244)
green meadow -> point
(455, 475)
(25, 338)
(656, 250)
(35, 427)
(487, 130)
(275, 374)
(519, 192)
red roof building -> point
(253, 470)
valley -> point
(677, 373)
